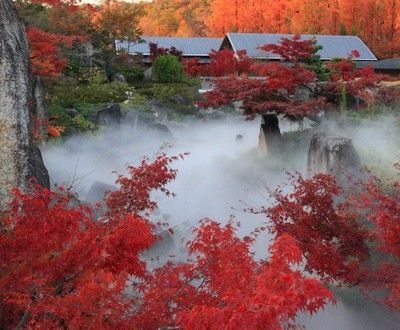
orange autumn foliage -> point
(55, 131)
(376, 22)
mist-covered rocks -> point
(332, 154)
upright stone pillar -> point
(14, 93)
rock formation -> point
(16, 166)
(109, 115)
(40, 111)
(332, 154)
(269, 138)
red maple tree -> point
(61, 269)
(300, 85)
(379, 204)
(66, 27)
(46, 59)
(266, 87)
(223, 286)
(328, 232)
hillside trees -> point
(175, 17)
(117, 20)
(376, 22)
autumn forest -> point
(376, 22)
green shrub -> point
(162, 93)
(81, 123)
(82, 120)
(167, 69)
(73, 68)
(128, 65)
(133, 74)
(92, 76)
(71, 95)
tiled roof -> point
(333, 46)
(386, 64)
(191, 46)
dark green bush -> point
(71, 95)
(132, 73)
(82, 121)
(167, 69)
(130, 66)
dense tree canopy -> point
(377, 22)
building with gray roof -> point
(389, 66)
(190, 47)
(333, 46)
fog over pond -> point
(218, 179)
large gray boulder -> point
(109, 115)
(14, 94)
(334, 155)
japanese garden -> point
(174, 164)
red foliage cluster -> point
(224, 287)
(363, 82)
(331, 238)
(274, 86)
(282, 87)
(61, 269)
(354, 242)
(292, 49)
(223, 63)
(45, 57)
(134, 193)
(381, 204)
